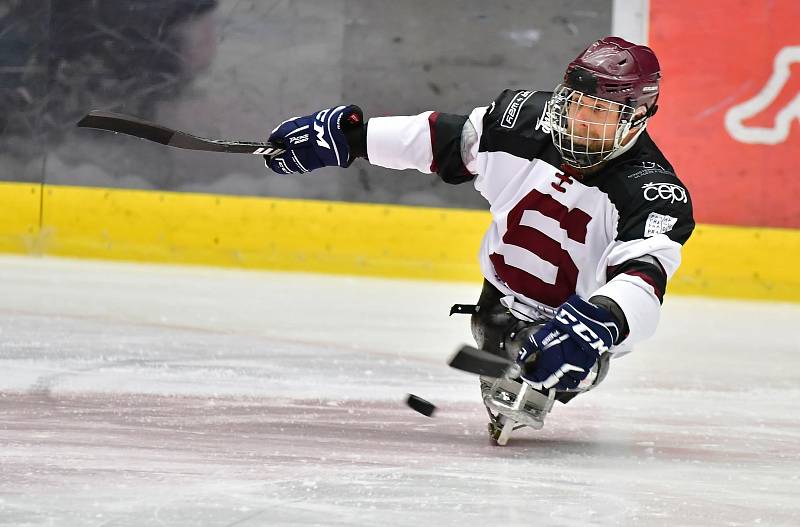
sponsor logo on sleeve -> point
(514, 108)
(665, 191)
(658, 224)
(647, 168)
(543, 123)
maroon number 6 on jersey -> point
(524, 279)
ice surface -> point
(141, 395)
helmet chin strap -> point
(624, 148)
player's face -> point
(592, 122)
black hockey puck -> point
(420, 405)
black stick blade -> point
(480, 362)
(125, 124)
(133, 126)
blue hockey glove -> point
(563, 351)
(314, 141)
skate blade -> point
(501, 428)
(505, 433)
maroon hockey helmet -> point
(625, 75)
(617, 70)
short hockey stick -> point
(480, 362)
(125, 124)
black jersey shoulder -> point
(649, 196)
(516, 122)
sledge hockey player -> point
(588, 216)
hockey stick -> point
(480, 362)
(125, 124)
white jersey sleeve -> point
(638, 291)
(400, 142)
(428, 142)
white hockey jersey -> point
(616, 233)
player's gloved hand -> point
(563, 351)
(314, 141)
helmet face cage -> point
(587, 146)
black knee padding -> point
(494, 328)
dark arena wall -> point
(236, 69)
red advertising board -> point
(729, 116)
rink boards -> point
(337, 237)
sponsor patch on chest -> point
(658, 224)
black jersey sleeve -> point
(656, 204)
(446, 130)
(515, 122)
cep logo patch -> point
(665, 191)
(514, 108)
(658, 224)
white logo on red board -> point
(772, 90)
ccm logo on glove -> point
(320, 129)
(582, 330)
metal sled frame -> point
(516, 405)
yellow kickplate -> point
(341, 238)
